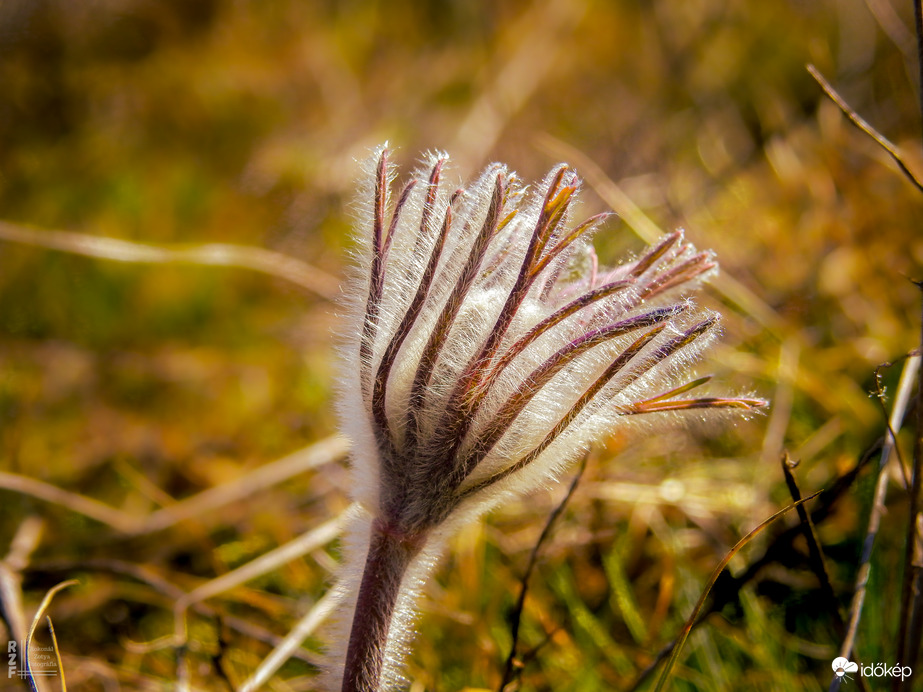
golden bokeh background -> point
(232, 121)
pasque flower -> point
(484, 350)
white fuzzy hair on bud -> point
(482, 351)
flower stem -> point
(390, 554)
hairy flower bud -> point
(484, 351)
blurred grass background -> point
(236, 121)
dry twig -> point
(287, 648)
(857, 120)
(693, 618)
(509, 670)
(897, 416)
(211, 254)
(325, 451)
(815, 551)
(24, 543)
(911, 623)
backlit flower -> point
(485, 350)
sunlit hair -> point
(484, 350)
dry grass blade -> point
(892, 25)
(211, 254)
(904, 388)
(57, 653)
(302, 545)
(783, 400)
(146, 575)
(860, 122)
(43, 606)
(286, 649)
(88, 507)
(24, 543)
(816, 552)
(537, 35)
(326, 451)
(509, 673)
(911, 623)
(307, 542)
(687, 628)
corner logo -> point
(43, 661)
(841, 666)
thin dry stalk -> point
(693, 618)
(893, 26)
(288, 647)
(80, 504)
(24, 543)
(327, 451)
(171, 592)
(57, 653)
(911, 624)
(539, 33)
(297, 547)
(212, 254)
(857, 120)
(904, 388)
(306, 543)
(513, 667)
(911, 617)
(43, 606)
(909, 634)
(815, 551)
(783, 400)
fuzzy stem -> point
(390, 554)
